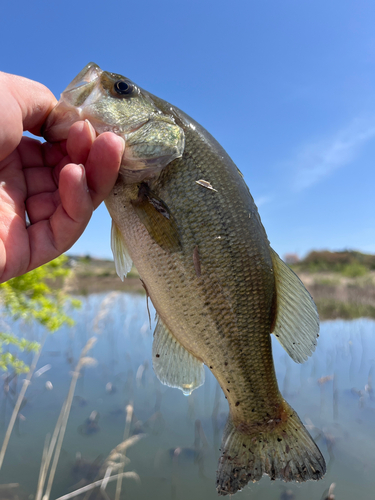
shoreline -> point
(336, 296)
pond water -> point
(177, 458)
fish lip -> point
(89, 73)
(65, 113)
(85, 79)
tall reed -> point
(129, 416)
(17, 406)
(59, 432)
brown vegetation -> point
(99, 275)
(341, 283)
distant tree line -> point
(347, 262)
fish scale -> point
(234, 319)
(183, 214)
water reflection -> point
(332, 392)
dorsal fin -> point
(296, 325)
(173, 364)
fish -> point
(183, 214)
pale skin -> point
(59, 185)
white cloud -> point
(317, 160)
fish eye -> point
(123, 88)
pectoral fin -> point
(296, 324)
(157, 218)
(173, 364)
(123, 261)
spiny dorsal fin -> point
(123, 262)
(297, 320)
(173, 364)
(157, 218)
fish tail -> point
(283, 450)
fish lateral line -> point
(197, 262)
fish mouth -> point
(89, 73)
(69, 108)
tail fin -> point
(283, 451)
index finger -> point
(24, 105)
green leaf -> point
(38, 296)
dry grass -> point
(55, 444)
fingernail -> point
(91, 129)
(83, 178)
(122, 144)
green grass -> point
(333, 309)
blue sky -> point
(287, 87)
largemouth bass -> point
(183, 214)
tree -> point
(41, 296)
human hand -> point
(47, 180)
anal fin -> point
(173, 364)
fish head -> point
(112, 102)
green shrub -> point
(36, 296)
(348, 262)
(354, 270)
